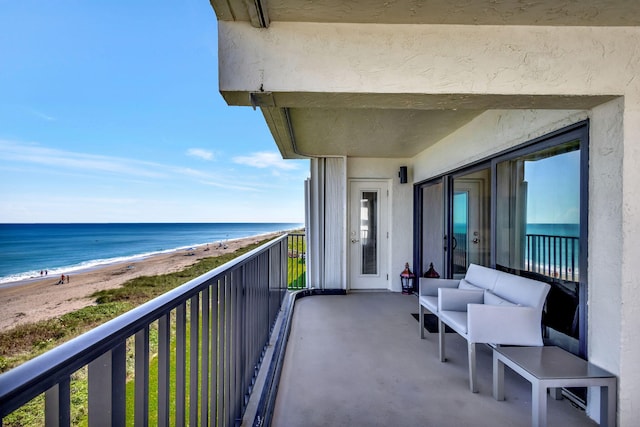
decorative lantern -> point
(406, 278)
(431, 272)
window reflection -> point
(538, 230)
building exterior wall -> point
(548, 69)
(429, 59)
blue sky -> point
(554, 189)
(110, 112)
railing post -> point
(141, 412)
(107, 378)
(221, 351)
(181, 365)
(57, 405)
(164, 346)
(194, 336)
(215, 340)
(204, 369)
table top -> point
(549, 362)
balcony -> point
(357, 359)
(353, 359)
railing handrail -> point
(553, 235)
(36, 376)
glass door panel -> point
(369, 232)
(433, 234)
(471, 234)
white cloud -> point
(68, 160)
(265, 159)
(41, 115)
(200, 153)
(27, 155)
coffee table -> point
(552, 367)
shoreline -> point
(18, 279)
(41, 298)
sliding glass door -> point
(455, 222)
(524, 212)
(433, 236)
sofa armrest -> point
(507, 325)
(429, 286)
(457, 299)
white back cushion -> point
(466, 285)
(482, 277)
(521, 290)
(492, 299)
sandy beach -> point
(38, 299)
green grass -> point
(296, 264)
(29, 340)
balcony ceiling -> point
(465, 12)
(322, 124)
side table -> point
(553, 367)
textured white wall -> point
(428, 59)
(605, 234)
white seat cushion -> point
(430, 303)
(457, 320)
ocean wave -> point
(84, 266)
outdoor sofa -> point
(487, 306)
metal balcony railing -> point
(297, 263)
(212, 332)
(553, 256)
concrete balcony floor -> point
(357, 360)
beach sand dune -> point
(40, 299)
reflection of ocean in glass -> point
(553, 250)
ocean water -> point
(566, 230)
(554, 250)
(27, 249)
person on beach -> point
(61, 281)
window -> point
(538, 230)
(523, 211)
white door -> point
(368, 235)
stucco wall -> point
(605, 234)
(428, 59)
(401, 203)
(629, 386)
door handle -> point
(354, 240)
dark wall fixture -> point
(403, 174)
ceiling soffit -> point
(464, 12)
